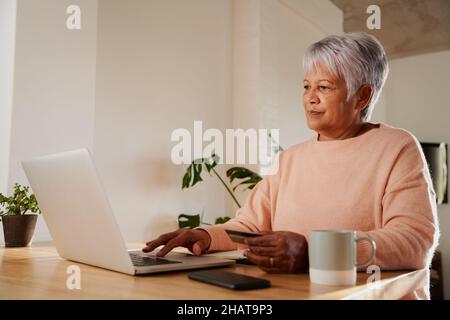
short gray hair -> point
(357, 57)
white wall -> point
(379, 113)
(160, 66)
(417, 99)
(7, 40)
(54, 84)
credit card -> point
(239, 236)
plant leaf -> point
(215, 159)
(198, 161)
(247, 176)
(211, 162)
(20, 202)
(197, 173)
(188, 221)
(222, 220)
(239, 173)
(187, 177)
(250, 182)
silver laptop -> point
(82, 224)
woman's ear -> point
(364, 95)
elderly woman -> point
(353, 174)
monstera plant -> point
(245, 178)
(193, 176)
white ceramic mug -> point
(332, 256)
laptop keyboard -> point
(144, 261)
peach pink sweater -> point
(377, 183)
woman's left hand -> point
(278, 251)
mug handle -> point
(372, 255)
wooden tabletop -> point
(37, 272)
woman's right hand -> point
(196, 240)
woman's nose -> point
(312, 98)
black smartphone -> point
(239, 236)
(229, 280)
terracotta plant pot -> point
(18, 230)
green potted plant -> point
(18, 224)
(192, 176)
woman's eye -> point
(306, 87)
(323, 88)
